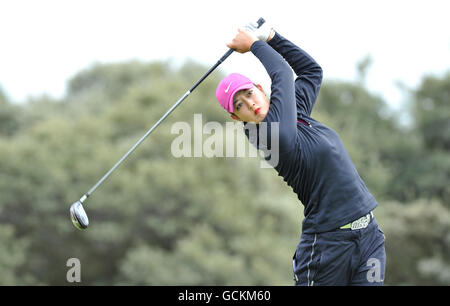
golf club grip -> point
(260, 22)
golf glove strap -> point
(262, 33)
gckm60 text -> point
(246, 295)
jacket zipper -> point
(304, 122)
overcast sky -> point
(44, 43)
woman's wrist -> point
(271, 35)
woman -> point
(341, 242)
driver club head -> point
(79, 216)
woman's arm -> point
(309, 73)
(282, 97)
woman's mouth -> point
(257, 110)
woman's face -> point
(250, 105)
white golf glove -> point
(262, 33)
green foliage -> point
(9, 116)
(12, 257)
(161, 220)
(417, 242)
(432, 112)
(422, 169)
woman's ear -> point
(233, 116)
(260, 88)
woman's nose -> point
(250, 104)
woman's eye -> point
(238, 106)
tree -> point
(155, 204)
(162, 220)
(423, 167)
(9, 116)
(417, 243)
(431, 112)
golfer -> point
(341, 242)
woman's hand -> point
(242, 41)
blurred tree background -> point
(161, 220)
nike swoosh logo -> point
(228, 88)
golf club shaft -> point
(137, 144)
(223, 58)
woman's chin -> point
(260, 118)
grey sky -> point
(44, 43)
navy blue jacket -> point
(312, 158)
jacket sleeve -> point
(282, 97)
(309, 73)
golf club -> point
(77, 213)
